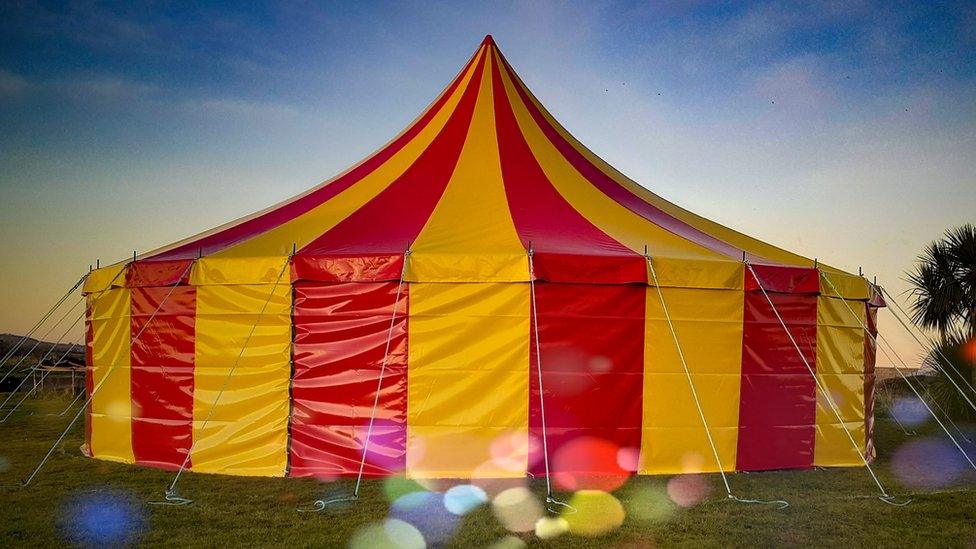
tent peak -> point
(488, 41)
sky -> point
(844, 131)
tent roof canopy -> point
(481, 177)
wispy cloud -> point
(796, 83)
(11, 84)
(241, 108)
(103, 87)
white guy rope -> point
(885, 497)
(542, 401)
(44, 317)
(108, 373)
(38, 365)
(935, 349)
(900, 372)
(41, 381)
(41, 339)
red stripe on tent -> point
(870, 356)
(567, 247)
(162, 374)
(264, 222)
(389, 222)
(783, 279)
(611, 188)
(778, 405)
(592, 345)
(157, 273)
(340, 338)
(89, 374)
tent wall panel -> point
(111, 407)
(468, 383)
(840, 368)
(341, 333)
(247, 430)
(591, 343)
(709, 327)
(777, 409)
(162, 374)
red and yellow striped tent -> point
(481, 251)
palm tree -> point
(944, 292)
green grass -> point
(826, 505)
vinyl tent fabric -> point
(481, 247)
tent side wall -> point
(461, 399)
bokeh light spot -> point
(688, 490)
(928, 463)
(909, 411)
(650, 504)
(510, 450)
(628, 458)
(517, 509)
(426, 511)
(388, 534)
(464, 498)
(508, 542)
(551, 527)
(102, 518)
(597, 513)
(394, 487)
(588, 463)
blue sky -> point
(842, 130)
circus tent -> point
(481, 297)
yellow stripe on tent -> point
(709, 328)
(473, 213)
(247, 432)
(468, 380)
(840, 369)
(312, 224)
(111, 407)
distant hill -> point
(38, 350)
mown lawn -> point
(75, 498)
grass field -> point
(74, 498)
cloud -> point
(795, 83)
(12, 85)
(240, 108)
(103, 87)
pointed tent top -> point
(485, 173)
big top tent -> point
(482, 297)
